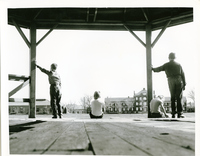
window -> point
(144, 98)
(136, 108)
(136, 103)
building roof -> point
(101, 18)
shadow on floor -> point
(22, 127)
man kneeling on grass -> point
(96, 106)
(157, 109)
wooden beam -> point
(145, 15)
(18, 100)
(135, 36)
(95, 15)
(37, 14)
(18, 77)
(169, 18)
(21, 33)
(46, 34)
(160, 34)
(32, 109)
(18, 88)
(88, 14)
(149, 64)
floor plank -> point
(37, 139)
(106, 143)
(74, 138)
(150, 140)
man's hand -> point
(152, 68)
(166, 115)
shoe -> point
(54, 117)
(173, 116)
(60, 116)
(181, 116)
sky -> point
(111, 62)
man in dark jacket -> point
(176, 82)
(55, 89)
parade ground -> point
(115, 134)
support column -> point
(149, 64)
(32, 110)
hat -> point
(172, 56)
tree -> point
(191, 95)
(85, 101)
(70, 107)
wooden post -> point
(149, 64)
(32, 110)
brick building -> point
(136, 104)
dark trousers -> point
(176, 87)
(157, 115)
(93, 116)
(55, 94)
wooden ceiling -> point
(99, 18)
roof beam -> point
(160, 34)
(46, 34)
(135, 36)
(37, 14)
(88, 14)
(145, 15)
(21, 33)
(95, 15)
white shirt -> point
(97, 106)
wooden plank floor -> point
(108, 136)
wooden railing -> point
(25, 81)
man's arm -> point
(158, 69)
(43, 70)
(183, 78)
(163, 109)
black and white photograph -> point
(100, 78)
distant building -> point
(119, 105)
(136, 104)
(42, 107)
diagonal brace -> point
(21, 33)
(160, 34)
(46, 34)
(135, 36)
(18, 88)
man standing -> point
(157, 109)
(55, 89)
(176, 82)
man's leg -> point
(171, 84)
(58, 99)
(179, 93)
(53, 102)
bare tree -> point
(191, 95)
(85, 101)
(70, 106)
